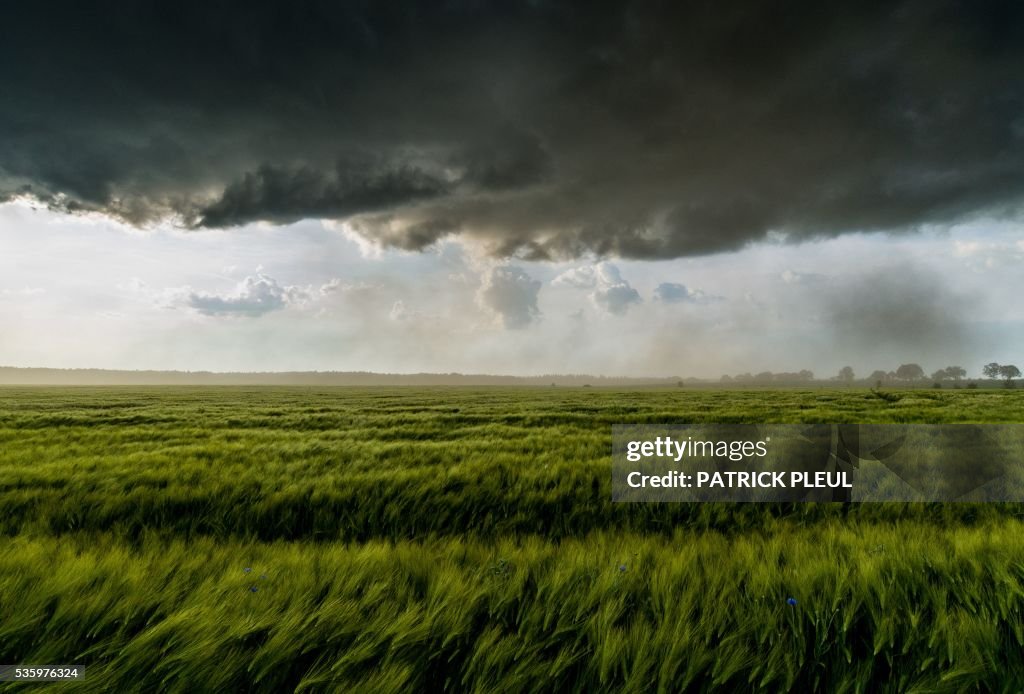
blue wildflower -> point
(622, 567)
(791, 601)
(253, 589)
(247, 569)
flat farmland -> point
(392, 539)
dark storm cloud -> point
(284, 196)
(544, 129)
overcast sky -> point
(625, 189)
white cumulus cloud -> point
(254, 296)
(511, 295)
(675, 293)
(610, 291)
(582, 277)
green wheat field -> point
(461, 539)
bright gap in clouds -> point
(85, 293)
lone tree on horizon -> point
(846, 374)
(991, 370)
(1008, 373)
(910, 372)
(956, 372)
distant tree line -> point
(769, 377)
(956, 374)
(1007, 372)
(904, 373)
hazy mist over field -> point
(685, 190)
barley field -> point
(464, 539)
